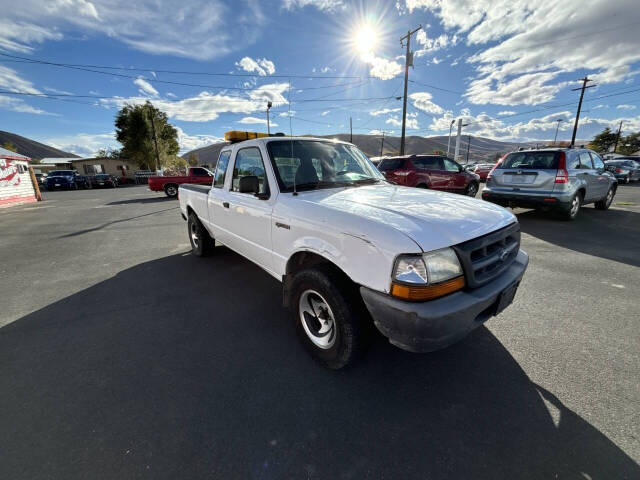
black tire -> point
(605, 203)
(423, 185)
(346, 309)
(171, 190)
(570, 210)
(627, 179)
(472, 189)
(201, 242)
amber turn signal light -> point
(427, 292)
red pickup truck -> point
(169, 185)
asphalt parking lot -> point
(123, 356)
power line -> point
(436, 88)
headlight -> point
(427, 276)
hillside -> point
(31, 148)
(482, 149)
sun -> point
(365, 39)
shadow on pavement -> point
(612, 234)
(142, 200)
(189, 368)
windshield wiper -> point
(321, 184)
(364, 181)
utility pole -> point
(155, 140)
(382, 146)
(449, 142)
(408, 61)
(585, 80)
(455, 155)
(557, 127)
(468, 146)
(618, 137)
(350, 130)
(269, 104)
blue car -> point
(66, 179)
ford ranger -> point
(353, 250)
(169, 185)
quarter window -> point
(573, 161)
(597, 161)
(221, 169)
(249, 163)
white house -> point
(16, 185)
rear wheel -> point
(328, 321)
(472, 189)
(605, 203)
(570, 211)
(201, 242)
(422, 185)
(627, 179)
(171, 190)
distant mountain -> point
(31, 148)
(481, 149)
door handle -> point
(225, 204)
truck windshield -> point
(312, 164)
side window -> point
(597, 161)
(450, 165)
(221, 169)
(199, 172)
(249, 162)
(585, 161)
(428, 163)
(573, 161)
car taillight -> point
(562, 175)
(619, 170)
(489, 175)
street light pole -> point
(468, 146)
(557, 127)
(269, 104)
(449, 142)
(408, 61)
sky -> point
(506, 67)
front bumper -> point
(436, 324)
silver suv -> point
(559, 179)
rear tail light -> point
(562, 175)
(619, 170)
(490, 174)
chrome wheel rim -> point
(609, 197)
(473, 190)
(171, 191)
(193, 231)
(575, 206)
(317, 319)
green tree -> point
(134, 130)
(193, 160)
(10, 146)
(630, 144)
(108, 153)
(604, 141)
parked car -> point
(104, 180)
(559, 179)
(430, 171)
(169, 185)
(352, 250)
(482, 170)
(624, 169)
(40, 178)
(66, 179)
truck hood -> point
(431, 219)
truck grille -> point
(486, 257)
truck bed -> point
(196, 188)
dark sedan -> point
(66, 179)
(624, 169)
(104, 180)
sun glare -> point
(365, 39)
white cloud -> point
(145, 87)
(261, 67)
(191, 142)
(325, 113)
(422, 101)
(411, 123)
(255, 120)
(83, 144)
(206, 106)
(287, 114)
(428, 45)
(626, 107)
(323, 5)
(506, 112)
(199, 29)
(523, 46)
(381, 67)
(384, 111)
(10, 80)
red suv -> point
(430, 171)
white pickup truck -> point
(352, 250)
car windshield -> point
(534, 160)
(61, 173)
(391, 164)
(311, 164)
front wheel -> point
(605, 203)
(472, 189)
(201, 242)
(329, 324)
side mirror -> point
(249, 184)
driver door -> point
(455, 179)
